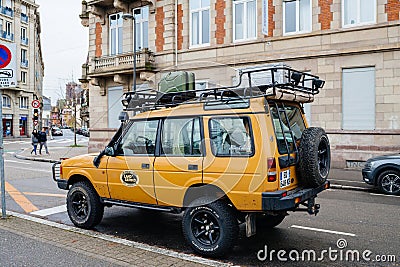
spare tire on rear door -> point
(314, 157)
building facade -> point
(20, 24)
(354, 45)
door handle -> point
(145, 166)
(192, 167)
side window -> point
(231, 136)
(140, 139)
(181, 137)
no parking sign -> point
(8, 65)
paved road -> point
(364, 220)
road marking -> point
(382, 195)
(354, 182)
(50, 211)
(20, 199)
(30, 169)
(19, 162)
(322, 230)
(125, 242)
(44, 194)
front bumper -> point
(62, 184)
(368, 177)
(290, 200)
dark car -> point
(383, 172)
(56, 131)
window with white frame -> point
(8, 28)
(24, 9)
(23, 55)
(358, 113)
(244, 20)
(6, 101)
(23, 77)
(297, 16)
(7, 3)
(199, 22)
(23, 102)
(358, 12)
(142, 27)
(116, 23)
(23, 33)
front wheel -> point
(83, 205)
(389, 182)
(211, 229)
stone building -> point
(354, 45)
(20, 24)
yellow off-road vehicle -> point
(222, 156)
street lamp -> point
(132, 17)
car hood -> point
(386, 157)
(83, 161)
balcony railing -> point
(144, 61)
(24, 41)
(6, 35)
(24, 18)
(7, 11)
(24, 63)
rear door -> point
(180, 163)
(130, 173)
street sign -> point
(8, 65)
(35, 103)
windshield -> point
(295, 126)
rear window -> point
(231, 136)
(288, 120)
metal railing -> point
(24, 41)
(6, 35)
(24, 18)
(24, 63)
(7, 11)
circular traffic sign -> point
(35, 103)
(5, 56)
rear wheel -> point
(83, 205)
(389, 182)
(315, 157)
(211, 229)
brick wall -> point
(326, 15)
(160, 41)
(271, 21)
(392, 8)
(180, 26)
(98, 41)
(220, 20)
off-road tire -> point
(83, 205)
(204, 216)
(389, 182)
(269, 221)
(314, 157)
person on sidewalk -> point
(43, 141)
(35, 141)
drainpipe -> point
(176, 34)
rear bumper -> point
(286, 200)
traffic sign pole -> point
(2, 179)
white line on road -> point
(354, 182)
(322, 230)
(50, 211)
(382, 195)
(19, 162)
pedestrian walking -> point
(35, 141)
(43, 141)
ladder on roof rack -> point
(277, 83)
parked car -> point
(229, 157)
(55, 131)
(384, 173)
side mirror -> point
(109, 151)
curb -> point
(349, 187)
(32, 158)
(122, 241)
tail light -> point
(271, 170)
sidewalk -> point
(55, 153)
(29, 241)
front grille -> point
(56, 171)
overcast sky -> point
(64, 44)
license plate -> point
(285, 178)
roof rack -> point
(281, 83)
